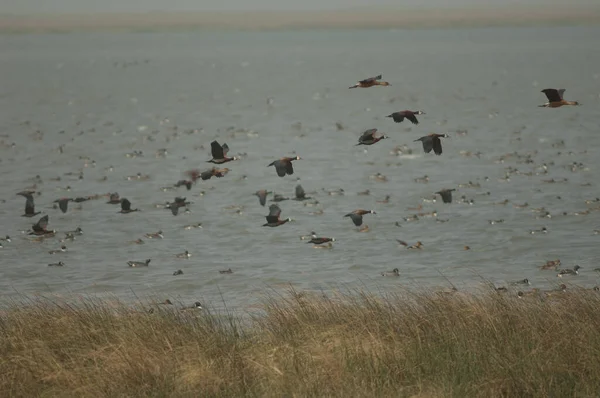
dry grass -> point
(418, 344)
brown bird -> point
(555, 98)
(284, 166)
(29, 204)
(40, 228)
(273, 219)
(446, 195)
(551, 264)
(357, 216)
(219, 153)
(432, 141)
(370, 137)
(262, 196)
(126, 206)
(195, 174)
(418, 245)
(410, 115)
(370, 82)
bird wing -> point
(29, 204)
(289, 168)
(552, 94)
(398, 117)
(427, 143)
(403, 243)
(561, 92)
(216, 150)
(437, 145)
(63, 205)
(174, 209)
(411, 116)
(206, 175)
(274, 212)
(368, 135)
(370, 79)
(356, 218)
(262, 197)
(125, 204)
(300, 194)
(225, 149)
(41, 225)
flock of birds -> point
(283, 167)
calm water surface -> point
(268, 95)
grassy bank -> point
(422, 344)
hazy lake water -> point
(103, 95)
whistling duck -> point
(195, 306)
(262, 196)
(177, 203)
(58, 264)
(63, 203)
(521, 282)
(410, 115)
(126, 207)
(219, 153)
(394, 272)
(357, 216)
(300, 194)
(555, 98)
(551, 264)
(370, 82)
(370, 137)
(432, 141)
(139, 263)
(114, 199)
(284, 166)
(226, 271)
(188, 184)
(446, 195)
(574, 271)
(418, 245)
(62, 249)
(273, 219)
(40, 228)
(185, 254)
(29, 204)
(178, 272)
(320, 240)
(155, 235)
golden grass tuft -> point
(413, 344)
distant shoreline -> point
(275, 20)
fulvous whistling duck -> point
(219, 153)
(394, 272)
(357, 216)
(410, 115)
(284, 166)
(139, 263)
(29, 204)
(370, 137)
(446, 195)
(262, 196)
(551, 264)
(273, 219)
(320, 240)
(418, 245)
(126, 206)
(63, 203)
(370, 82)
(574, 271)
(555, 98)
(300, 194)
(432, 141)
(40, 227)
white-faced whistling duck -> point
(446, 195)
(273, 219)
(126, 206)
(410, 115)
(357, 216)
(551, 264)
(300, 194)
(417, 245)
(139, 263)
(394, 272)
(370, 137)
(40, 227)
(432, 141)
(219, 153)
(574, 271)
(63, 203)
(114, 199)
(262, 196)
(555, 98)
(370, 82)
(320, 240)
(29, 204)
(284, 166)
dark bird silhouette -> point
(555, 98)
(370, 82)
(370, 137)
(63, 203)
(126, 206)
(29, 204)
(177, 203)
(40, 228)
(219, 153)
(114, 199)
(432, 141)
(410, 115)
(300, 194)
(357, 216)
(273, 219)
(320, 240)
(262, 196)
(446, 195)
(186, 183)
(139, 263)
(284, 166)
